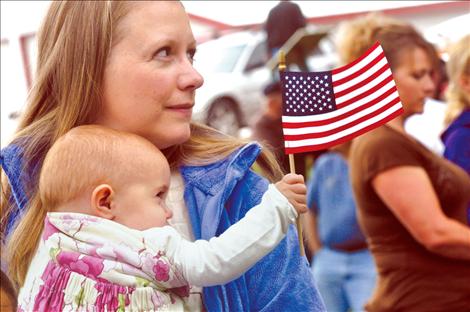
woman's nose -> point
(190, 79)
(428, 85)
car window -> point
(258, 57)
(218, 59)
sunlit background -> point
(442, 22)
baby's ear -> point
(101, 200)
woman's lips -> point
(183, 109)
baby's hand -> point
(292, 186)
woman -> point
(411, 203)
(456, 137)
(128, 66)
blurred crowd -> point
(391, 208)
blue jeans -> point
(345, 280)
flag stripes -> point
(365, 97)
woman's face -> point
(413, 77)
(149, 81)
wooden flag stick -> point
(282, 67)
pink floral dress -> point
(93, 264)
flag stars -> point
(307, 94)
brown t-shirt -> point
(411, 278)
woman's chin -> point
(173, 137)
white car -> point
(236, 70)
(234, 77)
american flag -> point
(323, 109)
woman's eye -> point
(191, 54)
(163, 52)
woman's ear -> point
(101, 201)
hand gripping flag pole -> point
(282, 67)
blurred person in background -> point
(411, 202)
(427, 127)
(456, 137)
(132, 71)
(342, 265)
(282, 22)
(268, 129)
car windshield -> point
(213, 58)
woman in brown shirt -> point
(411, 202)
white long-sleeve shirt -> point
(150, 263)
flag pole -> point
(282, 67)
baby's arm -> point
(224, 258)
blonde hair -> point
(73, 46)
(457, 66)
(396, 38)
(90, 155)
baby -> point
(106, 243)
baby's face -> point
(140, 201)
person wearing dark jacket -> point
(282, 22)
(268, 130)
